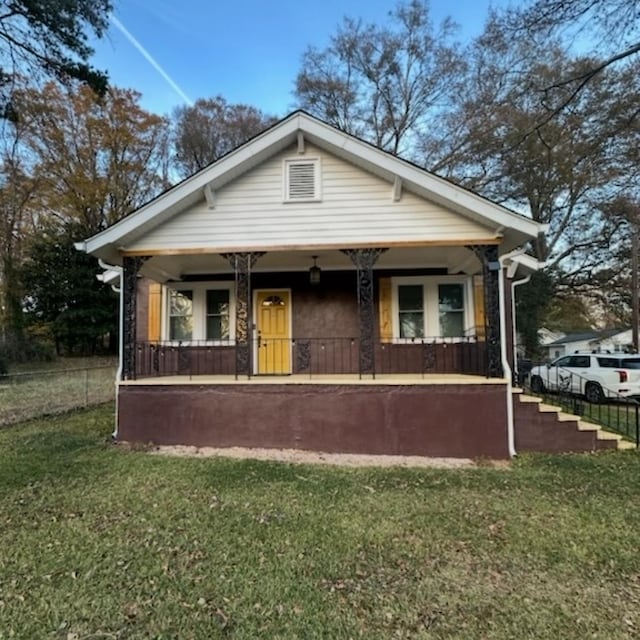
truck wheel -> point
(537, 386)
(593, 393)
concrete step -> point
(607, 435)
(567, 417)
(530, 399)
(583, 425)
(548, 408)
(607, 439)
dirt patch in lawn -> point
(312, 457)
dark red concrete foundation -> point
(443, 420)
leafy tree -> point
(95, 159)
(16, 192)
(50, 36)
(79, 162)
(533, 302)
(64, 296)
(210, 128)
(387, 84)
(569, 313)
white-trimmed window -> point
(302, 180)
(199, 311)
(431, 307)
(180, 314)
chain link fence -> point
(28, 395)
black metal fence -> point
(611, 410)
(313, 357)
(28, 395)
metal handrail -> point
(615, 412)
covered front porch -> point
(380, 350)
(365, 313)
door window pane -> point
(411, 311)
(451, 310)
(217, 314)
(180, 315)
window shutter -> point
(384, 308)
(478, 306)
(154, 312)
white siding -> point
(356, 206)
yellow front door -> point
(274, 339)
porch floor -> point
(338, 379)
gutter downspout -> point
(505, 362)
(503, 340)
(503, 350)
(117, 289)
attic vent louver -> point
(302, 180)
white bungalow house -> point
(311, 291)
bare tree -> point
(387, 84)
(212, 127)
(608, 29)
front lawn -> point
(100, 542)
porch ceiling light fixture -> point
(314, 273)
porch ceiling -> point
(175, 267)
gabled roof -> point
(586, 336)
(513, 228)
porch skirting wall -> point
(443, 420)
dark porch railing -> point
(313, 357)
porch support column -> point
(492, 272)
(242, 264)
(364, 259)
(130, 268)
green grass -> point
(101, 542)
(616, 416)
(26, 395)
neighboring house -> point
(308, 290)
(613, 340)
(547, 336)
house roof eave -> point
(517, 229)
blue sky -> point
(249, 51)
